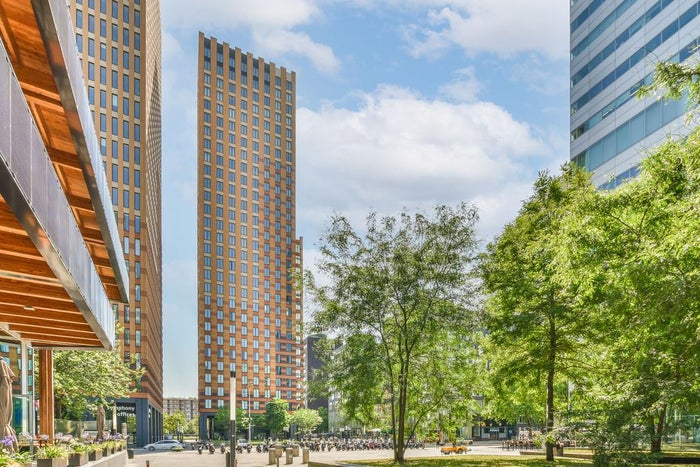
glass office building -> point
(615, 46)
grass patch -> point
(459, 460)
(674, 453)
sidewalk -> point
(193, 459)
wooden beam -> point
(65, 158)
(46, 409)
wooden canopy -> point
(34, 301)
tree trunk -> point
(658, 430)
(549, 446)
(401, 442)
(394, 428)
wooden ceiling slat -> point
(25, 266)
(20, 315)
(17, 244)
(56, 328)
(55, 298)
(41, 339)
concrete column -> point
(46, 409)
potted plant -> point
(78, 455)
(94, 453)
(22, 459)
(111, 446)
(118, 441)
(52, 455)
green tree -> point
(531, 317)
(222, 422)
(641, 242)
(354, 369)
(171, 422)
(323, 413)
(394, 297)
(85, 379)
(191, 427)
(276, 416)
(259, 422)
(306, 419)
(674, 80)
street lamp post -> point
(233, 419)
(250, 421)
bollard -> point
(290, 456)
(305, 456)
(271, 456)
(148, 463)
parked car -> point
(163, 445)
(454, 449)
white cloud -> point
(464, 88)
(271, 23)
(399, 149)
(278, 42)
(231, 13)
(502, 27)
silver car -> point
(163, 445)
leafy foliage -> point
(306, 419)
(675, 80)
(400, 301)
(171, 422)
(222, 422)
(276, 416)
(536, 333)
(84, 379)
(641, 240)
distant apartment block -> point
(615, 47)
(248, 253)
(119, 43)
(186, 405)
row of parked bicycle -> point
(356, 445)
(317, 446)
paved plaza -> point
(193, 459)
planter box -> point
(77, 459)
(94, 455)
(51, 462)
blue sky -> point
(400, 104)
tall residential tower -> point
(119, 42)
(248, 254)
(615, 46)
